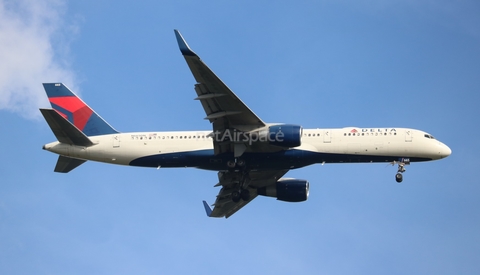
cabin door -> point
(327, 136)
(116, 141)
(408, 135)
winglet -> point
(208, 210)
(182, 44)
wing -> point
(227, 113)
(224, 206)
(222, 107)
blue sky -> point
(320, 64)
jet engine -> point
(283, 135)
(289, 190)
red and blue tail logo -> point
(72, 108)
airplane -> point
(250, 155)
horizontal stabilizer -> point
(65, 131)
(66, 164)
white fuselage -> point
(173, 149)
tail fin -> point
(72, 108)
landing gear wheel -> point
(231, 164)
(236, 196)
(240, 162)
(236, 163)
(245, 194)
(399, 177)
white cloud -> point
(33, 47)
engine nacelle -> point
(283, 135)
(290, 190)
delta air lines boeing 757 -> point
(250, 155)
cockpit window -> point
(429, 136)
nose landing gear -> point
(399, 177)
(401, 168)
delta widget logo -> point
(72, 109)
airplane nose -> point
(445, 151)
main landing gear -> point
(236, 163)
(241, 191)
